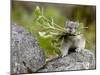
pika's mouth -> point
(70, 34)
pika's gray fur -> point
(72, 41)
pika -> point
(72, 40)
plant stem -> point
(59, 28)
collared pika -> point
(72, 40)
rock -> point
(26, 55)
(74, 61)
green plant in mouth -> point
(50, 30)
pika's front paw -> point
(78, 50)
(64, 53)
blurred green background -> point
(22, 13)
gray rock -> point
(74, 61)
(26, 55)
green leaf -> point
(37, 11)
